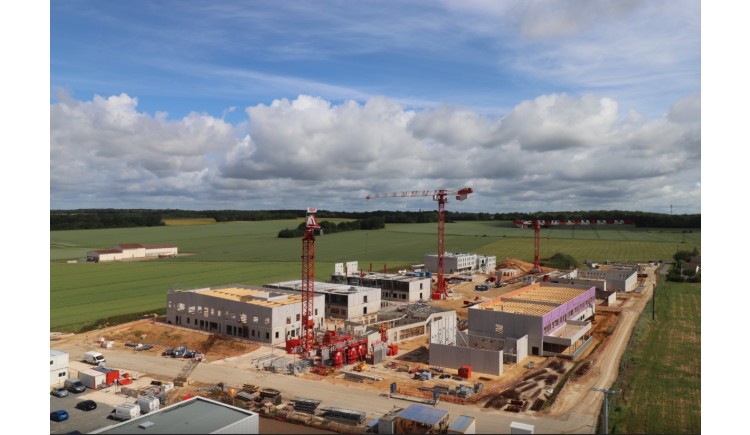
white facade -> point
(461, 262)
(58, 366)
(131, 250)
(394, 287)
(342, 301)
(252, 313)
(622, 279)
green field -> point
(250, 253)
(660, 372)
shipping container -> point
(92, 378)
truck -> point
(148, 404)
(93, 357)
(125, 411)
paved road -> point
(567, 416)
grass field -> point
(188, 221)
(250, 253)
(660, 372)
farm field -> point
(250, 253)
(660, 372)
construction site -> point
(505, 336)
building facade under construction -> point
(342, 301)
(394, 287)
(254, 313)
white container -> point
(92, 378)
(148, 404)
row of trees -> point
(328, 227)
(123, 218)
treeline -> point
(93, 219)
(124, 218)
(641, 219)
(328, 227)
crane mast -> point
(307, 338)
(441, 196)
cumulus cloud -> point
(556, 151)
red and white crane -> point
(441, 196)
(537, 224)
(307, 338)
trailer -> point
(92, 379)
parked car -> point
(74, 385)
(189, 354)
(143, 347)
(59, 391)
(86, 405)
(59, 415)
(168, 352)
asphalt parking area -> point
(85, 421)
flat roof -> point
(423, 414)
(55, 352)
(323, 287)
(253, 296)
(535, 300)
(196, 415)
(461, 423)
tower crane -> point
(537, 224)
(441, 196)
(308, 282)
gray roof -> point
(197, 415)
(423, 414)
(461, 423)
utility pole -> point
(607, 392)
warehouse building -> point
(394, 287)
(551, 319)
(623, 278)
(253, 313)
(58, 366)
(461, 263)
(342, 301)
(197, 415)
(126, 251)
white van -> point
(93, 357)
(125, 411)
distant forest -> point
(126, 218)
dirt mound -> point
(513, 263)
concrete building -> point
(461, 263)
(342, 301)
(621, 278)
(551, 319)
(394, 287)
(58, 366)
(126, 251)
(253, 313)
(197, 415)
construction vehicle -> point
(360, 366)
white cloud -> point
(556, 151)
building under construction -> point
(342, 301)
(394, 287)
(456, 262)
(254, 313)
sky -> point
(535, 105)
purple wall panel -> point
(560, 311)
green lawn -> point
(250, 253)
(660, 372)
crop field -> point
(250, 253)
(188, 221)
(660, 373)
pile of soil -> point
(512, 263)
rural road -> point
(575, 411)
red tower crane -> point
(307, 338)
(537, 224)
(441, 196)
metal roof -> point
(461, 423)
(197, 415)
(423, 414)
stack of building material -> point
(346, 416)
(307, 406)
(269, 395)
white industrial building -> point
(197, 415)
(394, 287)
(342, 301)
(550, 318)
(623, 278)
(58, 366)
(126, 251)
(461, 263)
(253, 313)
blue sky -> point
(537, 105)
